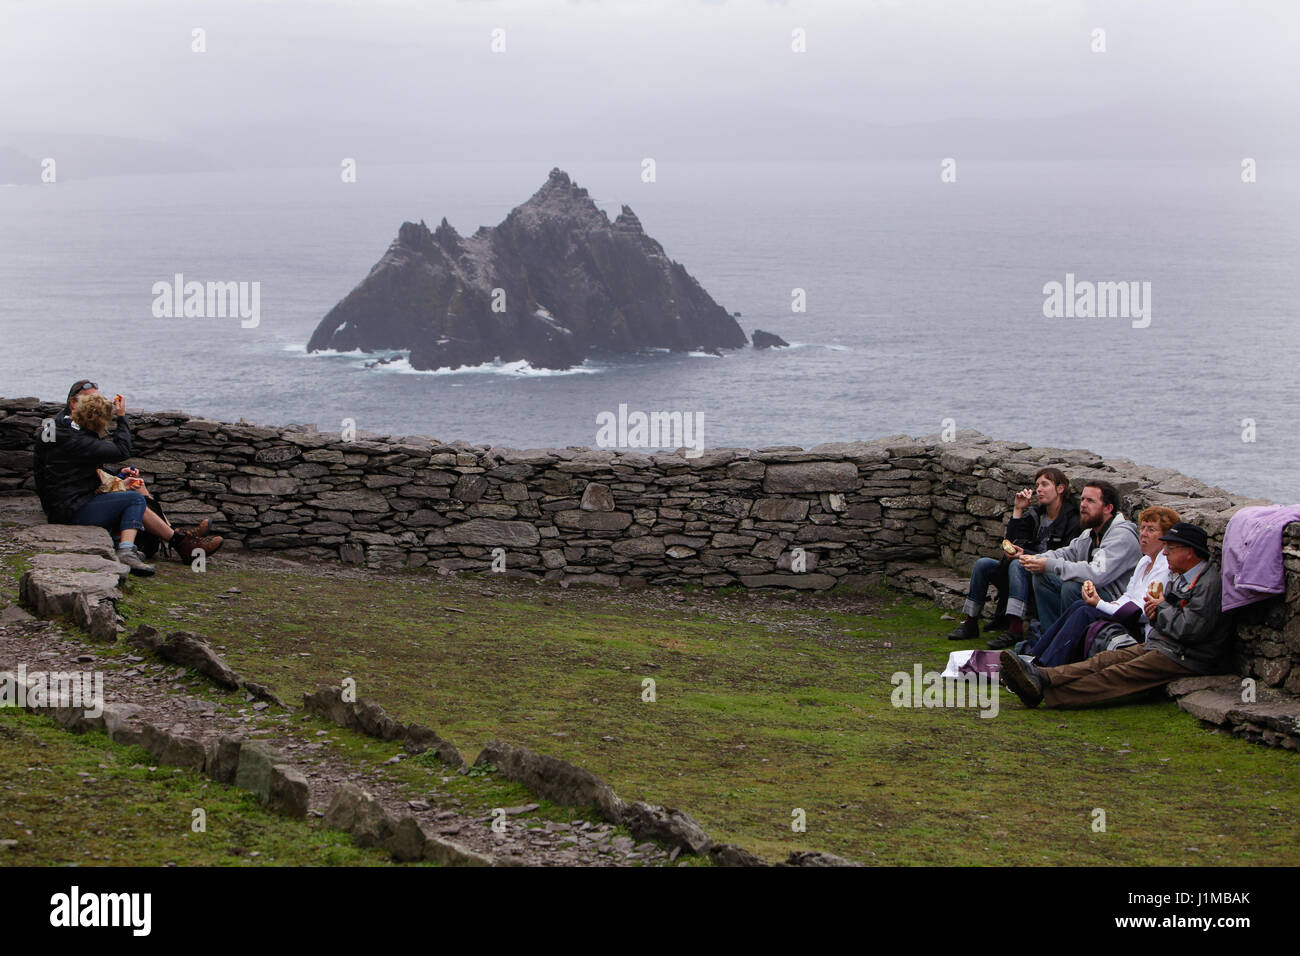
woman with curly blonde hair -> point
(91, 433)
(93, 414)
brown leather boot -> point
(186, 545)
(198, 530)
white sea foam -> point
(402, 366)
(817, 345)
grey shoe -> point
(1003, 640)
(968, 631)
(1022, 678)
(131, 558)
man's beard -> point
(1096, 521)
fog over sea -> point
(924, 303)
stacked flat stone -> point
(847, 513)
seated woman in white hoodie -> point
(1062, 643)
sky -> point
(290, 81)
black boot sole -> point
(1014, 676)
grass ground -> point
(70, 799)
(763, 707)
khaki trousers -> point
(1108, 675)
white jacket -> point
(1145, 574)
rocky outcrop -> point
(550, 284)
(75, 573)
(557, 780)
(1260, 714)
(768, 340)
(673, 828)
(356, 812)
(188, 650)
(371, 719)
(194, 652)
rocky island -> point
(552, 283)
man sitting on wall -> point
(1105, 553)
(1190, 634)
(1063, 642)
(67, 481)
(1032, 528)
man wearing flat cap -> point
(1189, 635)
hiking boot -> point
(1022, 678)
(186, 545)
(967, 630)
(1000, 622)
(198, 530)
(131, 558)
(1006, 640)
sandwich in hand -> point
(109, 483)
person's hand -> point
(1151, 604)
(1090, 594)
(1024, 498)
(1017, 552)
(1033, 563)
(129, 473)
(119, 406)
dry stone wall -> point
(846, 513)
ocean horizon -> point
(925, 304)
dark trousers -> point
(1007, 576)
(114, 510)
(1062, 643)
(1108, 675)
(1052, 595)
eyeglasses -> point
(88, 386)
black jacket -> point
(1024, 530)
(65, 468)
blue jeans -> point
(1053, 595)
(1062, 643)
(983, 574)
(113, 510)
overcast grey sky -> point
(399, 80)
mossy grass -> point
(762, 708)
(80, 799)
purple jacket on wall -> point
(1252, 554)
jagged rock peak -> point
(414, 235)
(560, 198)
(628, 221)
(557, 185)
